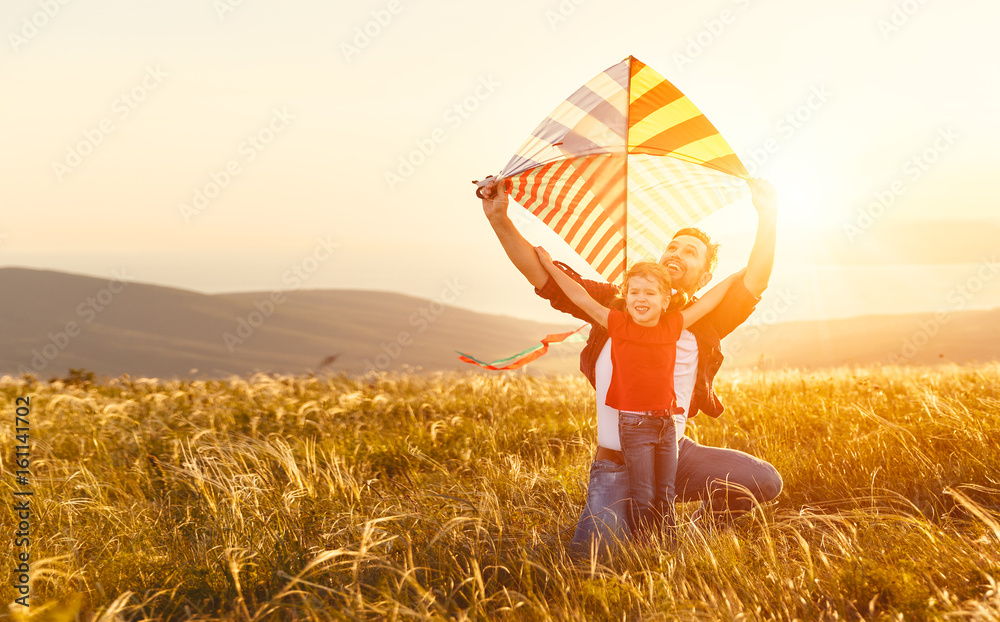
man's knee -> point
(769, 485)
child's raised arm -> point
(699, 308)
(573, 290)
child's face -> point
(644, 301)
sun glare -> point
(801, 198)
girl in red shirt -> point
(643, 349)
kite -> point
(523, 358)
(620, 166)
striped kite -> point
(620, 166)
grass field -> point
(453, 496)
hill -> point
(923, 338)
(52, 322)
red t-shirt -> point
(643, 359)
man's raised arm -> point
(520, 252)
(765, 201)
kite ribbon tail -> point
(526, 356)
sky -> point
(252, 145)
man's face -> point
(685, 261)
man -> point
(727, 482)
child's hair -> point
(658, 273)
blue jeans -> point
(730, 482)
(650, 447)
(604, 520)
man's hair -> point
(712, 257)
(657, 273)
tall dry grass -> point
(452, 496)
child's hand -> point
(543, 256)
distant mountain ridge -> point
(51, 322)
(907, 339)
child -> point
(643, 349)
